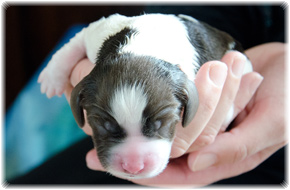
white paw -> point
(53, 81)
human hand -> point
(258, 130)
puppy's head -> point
(133, 105)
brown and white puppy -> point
(142, 81)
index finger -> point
(209, 83)
(82, 69)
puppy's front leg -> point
(55, 76)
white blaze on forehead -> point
(127, 106)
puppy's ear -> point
(76, 104)
(191, 103)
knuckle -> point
(179, 146)
(205, 140)
(207, 137)
(209, 106)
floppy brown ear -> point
(191, 104)
(75, 104)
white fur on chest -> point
(160, 36)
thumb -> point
(249, 137)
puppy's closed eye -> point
(107, 129)
(151, 128)
(111, 127)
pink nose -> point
(133, 167)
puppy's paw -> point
(53, 82)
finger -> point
(235, 62)
(93, 161)
(247, 164)
(254, 134)
(209, 82)
(248, 86)
(82, 69)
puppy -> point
(142, 82)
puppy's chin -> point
(139, 157)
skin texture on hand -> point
(82, 69)
(211, 115)
(203, 153)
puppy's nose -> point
(133, 167)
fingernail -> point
(204, 161)
(254, 85)
(218, 73)
(238, 65)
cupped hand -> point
(257, 133)
(230, 93)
